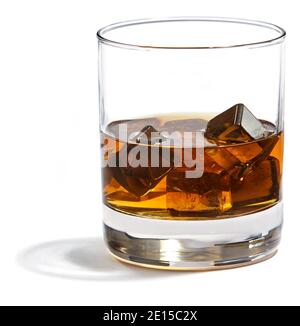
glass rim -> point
(262, 24)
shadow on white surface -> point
(85, 259)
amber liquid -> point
(239, 178)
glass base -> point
(193, 245)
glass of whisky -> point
(191, 124)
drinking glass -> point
(191, 124)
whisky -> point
(241, 166)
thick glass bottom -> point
(193, 245)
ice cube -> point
(148, 136)
(222, 157)
(210, 192)
(235, 125)
(245, 153)
(133, 126)
(217, 199)
(138, 176)
(239, 158)
(250, 153)
(261, 184)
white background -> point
(50, 178)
